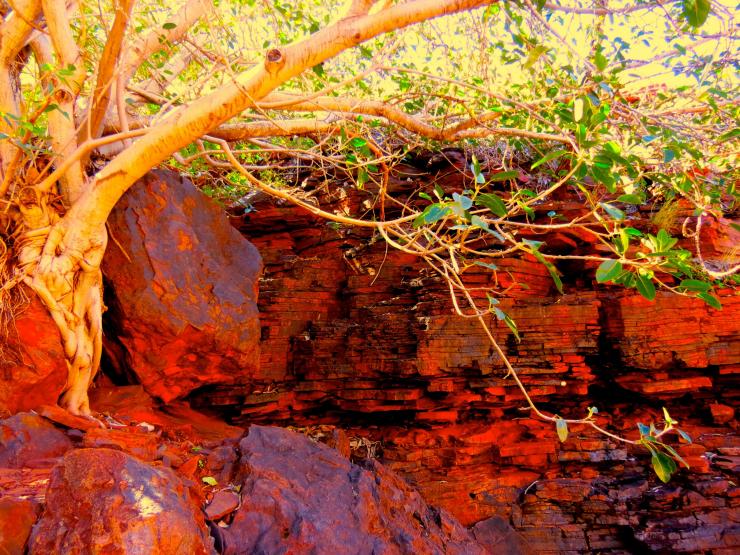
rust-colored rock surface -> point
(302, 497)
(29, 441)
(364, 339)
(33, 370)
(104, 501)
(183, 492)
(16, 519)
(183, 289)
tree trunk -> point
(70, 286)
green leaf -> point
(711, 300)
(674, 455)
(501, 315)
(562, 428)
(465, 202)
(665, 241)
(476, 221)
(425, 196)
(550, 268)
(631, 199)
(549, 156)
(696, 11)
(600, 61)
(664, 466)
(431, 214)
(686, 437)
(486, 265)
(645, 286)
(578, 107)
(608, 270)
(729, 135)
(493, 203)
(613, 211)
(210, 480)
(503, 176)
(668, 418)
(695, 285)
(168, 26)
(475, 168)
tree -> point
(93, 99)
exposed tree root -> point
(68, 281)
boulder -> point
(299, 496)
(33, 370)
(105, 501)
(27, 440)
(182, 288)
(16, 519)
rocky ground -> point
(360, 351)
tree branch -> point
(15, 32)
(189, 14)
(62, 131)
(190, 122)
(106, 68)
(470, 128)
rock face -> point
(303, 497)
(105, 501)
(32, 364)
(16, 519)
(365, 339)
(184, 288)
(27, 440)
(169, 477)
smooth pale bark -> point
(468, 128)
(106, 70)
(15, 32)
(190, 13)
(61, 126)
(201, 116)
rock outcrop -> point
(135, 487)
(105, 501)
(27, 440)
(182, 289)
(33, 370)
(364, 339)
(303, 497)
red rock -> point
(355, 333)
(497, 536)
(139, 444)
(643, 384)
(223, 503)
(24, 483)
(719, 241)
(299, 496)
(132, 404)
(33, 370)
(17, 516)
(105, 501)
(27, 440)
(60, 416)
(182, 317)
(721, 414)
(221, 463)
